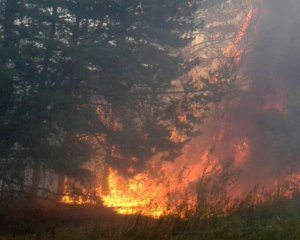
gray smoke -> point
(265, 112)
(263, 106)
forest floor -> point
(275, 220)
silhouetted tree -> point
(84, 74)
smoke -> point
(256, 126)
(258, 121)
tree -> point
(104, 72)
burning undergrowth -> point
(251, 138)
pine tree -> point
(96, 74)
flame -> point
(234, 50)
(154, 196)
(68, 199)
(151, 195)
(292, 185)
(159, 192)
(132, 196)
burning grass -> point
(275, 218)
(203, 201)
(261, 214)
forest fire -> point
(132, 196)
(162, 189)
(150, 119)
(155, 196)
(149, 195)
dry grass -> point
(216, 217)
(276, 219)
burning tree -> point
(256, 125)
(95, 78)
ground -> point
(276, 220)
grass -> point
(276, 219)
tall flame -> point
(153, 196)
(161, 193)
(234, 49)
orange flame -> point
(234, 50)
(151, 195)
(155, 196)
(132, 196)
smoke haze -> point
(257, 125)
